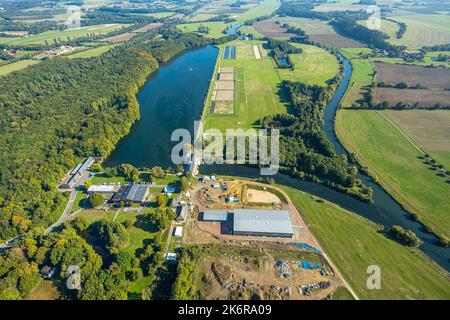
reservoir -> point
(173, 98)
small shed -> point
(178, 232)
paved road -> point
(66, 214)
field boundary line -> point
(401, 132)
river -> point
(173, 98)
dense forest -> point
(55, 113)
(305, 151)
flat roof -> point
(215, 215)
(178, 231)
(262, 221)
(137, 192)
(102, 188)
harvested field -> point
(337, 41)
(177, 16)
(261, 196)
(225, 85)
(149, 27)
(120, 38)
(226, 76)
(223, 107)
(256, 51)
(224, 95)
(425, 98)
(429, 129)
(428, 77)
(271, 29)
(226, 70)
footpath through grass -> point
(394, 161)
(354, 243)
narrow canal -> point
(173, 98)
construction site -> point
(267, 271)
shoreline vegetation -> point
(28, 196)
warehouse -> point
(269, 223)
(215, 215)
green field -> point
(256, 84)
(265, 7)
(313, 66)
(354, 243)
(250, 30)
(51, 35)
(423, 30)
(310, 26)
(15, 66)
(392, 159)
(362, 75)
(429, 59)
(216, 28)
(258, 80)
(91, 52)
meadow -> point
(91, 52)
(428, 129)
(15, 66)
(362, 76)
(423, 30)
(354, 243)
(391, 159)
(51, 35)
(258, 83)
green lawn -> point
(394, 161)
(63, 35)
(354, 243)
(15, 66)
(100, 178)
(250, 30)
(79, 200)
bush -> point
(406, 237)
(95, 200)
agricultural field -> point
(91, 52)
(353, 243)
(362, 76)
(390, 158)
(15, 66)
(50, 36)
(436, 81)
(250, 30)
(428, 129)
(313, 66)
(272, 30)
(256, 89)
(341, 5)
(429, 60)
(320, 32)
(423, 30)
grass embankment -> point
(392, 159)
(362, 76)
(354, 243)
